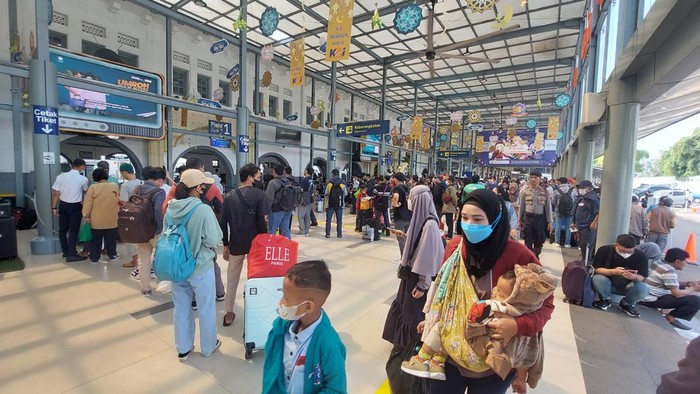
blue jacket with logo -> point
(325, 360)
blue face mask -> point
(476, 233)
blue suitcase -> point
(261, 298)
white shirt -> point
(295, 346)
(70, 186)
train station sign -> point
(453, 154)
(355, 129)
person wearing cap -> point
(535, 213)
(204, 233)
(586, 208)
(128, 188)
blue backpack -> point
(173, 259)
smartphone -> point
(631, 271)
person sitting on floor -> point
(666, 292)
(621, 269)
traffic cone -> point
(690, 249)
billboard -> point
(516, 148)
(100, 113)
(371, 150)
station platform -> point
(83, 328)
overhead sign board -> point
(220, 128)
(45, 120)
(219, 143)
(402, 118)
(453, 154)
(243, 144)
(372, 127)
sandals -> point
(130, 264)
(228, 324)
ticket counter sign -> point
(355, 129)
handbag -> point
(271, 256)
(85, 234)
(400, 381)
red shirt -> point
(514, 253)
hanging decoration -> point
(322, 44)
(503, 19)
(475, 127)
(233, 71)
(539, 102)
(376, 20)
(481, 5)
(456, 116)
(519, 109)
(394, 131)
(315, 124)
(455, 127)
(235, 83)
(531, 123)
(268, 21)
(322, 105)
(552, 127)
(523, 3)
(240, 24)
(266, 79)
(339, 30)
(474, 116)
(408, 18)
(218, 46)
(217, 94)
(511, 121)
(562, 100)
(267, 53)
(560, 134)
(387, 137)
(296, 63)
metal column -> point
(46, 147)
(435, 137)
(311, 137)
(16, 85)
(571, 163)
(414, 153)
(332, 136)
(585, 155)
(257, 104)
(243, 112)
(169, 159)
(620, 148)
(382, 116)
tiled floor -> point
(69, 327)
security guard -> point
(535, 213)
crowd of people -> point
(469, 289)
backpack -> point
(173, 259)
(136, 220)
(288, 199)
(565, 204)
(299, 198)
(335, 196)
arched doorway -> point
(214, 162)
(93, 149)
(356, 170)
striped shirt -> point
(662, 278)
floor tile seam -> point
(115, 370)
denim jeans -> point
(183, 316)
(280, 220)
(659, 239)
(338, 217)
(633, 292)
(563, 223)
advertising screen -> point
(371, 150)
(101, 113)
(516, 148)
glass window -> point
(611, 51)
(600, 58)
(286, 108)
(58, 39)
(129, 59)
(89, 47)
(272, 106)
(204, 86)
(180, 82)
(646, 6)
(226, 100)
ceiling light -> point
(200, 3)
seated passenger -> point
(665, 292)
(620, 269)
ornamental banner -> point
(296, 63)
(516, 148)
(553, 128)
(339, 30)
(416, 127)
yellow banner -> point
(553, 128)
(480, 143)
(425, 138)
(339, 30)
(296, 63)
(416, 127)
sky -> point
(663, 139)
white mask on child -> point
(288, 312)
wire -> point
(38, 217)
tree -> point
(683, 159)
(639, 161)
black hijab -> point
(503, 192)
(481, 257)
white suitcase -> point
(260, 301)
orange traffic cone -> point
(690, 249)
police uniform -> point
(534, 214)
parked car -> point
(652, 189)
(680, 197)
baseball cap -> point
(126, 167)
(192, 178)
(585, 184)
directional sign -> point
(45, 120)
(243, 144)
(218, 46)
(209, 103)
(220, 128)
(219, 143)
(402, 118)
(371, 127)
(233, 71)
(453, 154)
(333, 154)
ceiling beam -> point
(357, 19)
(568, 61)
(489, 92)
(572, 24)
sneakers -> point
(328, 236)
(416, 367)
(146, 293)
(220, 298)
(567, 246)
(135, 274)
(602, 304)
(73, 259)
(628, 308)
(217, 346)
(183, 356)
(677, 324)
(437, 371)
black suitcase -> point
(8, 238)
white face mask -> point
(288, 312)
(623, 255)
(582, 192)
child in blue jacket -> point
(303, 353)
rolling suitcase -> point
(8, 238)
(260, 301)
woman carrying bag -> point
(101, 210)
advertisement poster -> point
(339, 30)
(95, 112)
(296, 63)
(371, 149)
(516, 148)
